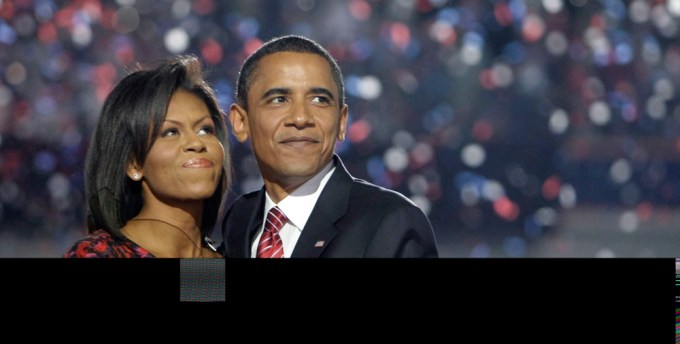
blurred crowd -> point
(495, 117)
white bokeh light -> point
(370, 87)
(620, 171)
(559, 122)
(629, 222)
(176, 40)
(473, 155)
(599, 113)
(567, 196)
(395, 159)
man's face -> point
(293, 118)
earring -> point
(135, 176)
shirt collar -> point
(299, 204)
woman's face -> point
(185, 161)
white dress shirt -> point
(297, 207)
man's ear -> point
(239, 122)
(343, 123)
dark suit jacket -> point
(353, 219)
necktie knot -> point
(270, 245)
(275, 220)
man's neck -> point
(278, 190)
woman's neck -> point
(165, 236)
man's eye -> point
(278, 99)
(321, 99)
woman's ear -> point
(134, 172)
(239, 122)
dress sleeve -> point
(88, 248)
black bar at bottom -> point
(612, 297)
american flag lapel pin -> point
(319, 243)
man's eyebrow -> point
(286, 91)
(276, 90)
(323, 90)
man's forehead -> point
(286, 72)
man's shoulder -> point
(247, 197)
(365, 190)
(239, 211)
(246, 200)
(368, 190)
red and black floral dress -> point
(100, 244)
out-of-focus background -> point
(535, 128)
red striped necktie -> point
(270, 245)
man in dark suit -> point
(290, 104)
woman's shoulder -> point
(101, 244)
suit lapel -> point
(245, 227)
(331, 206)
(317, 234)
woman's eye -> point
(206, 131)
(169, 132)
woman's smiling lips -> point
(198, 163)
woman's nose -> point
(194, 142)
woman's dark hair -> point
(129, 122)
(290, 43)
